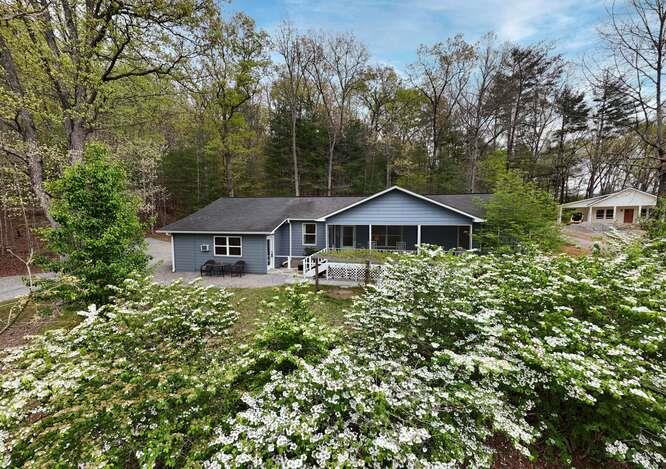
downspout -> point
(289, 257)
(173, 256)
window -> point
(604, 213)
(309, 234)
(387, 236)
(228, 246)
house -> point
(625, 206)
(270, 232)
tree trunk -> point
(388, 168)
(28, 131)
(227, 172)
(661, 191)
(36, 173)
(473, 162)
(77, 139)
(331, 151)
(294, 155)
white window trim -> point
(601, 211)
(215, 245)
(303, 234)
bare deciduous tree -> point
(292, 47)
(441, 73)
(637, 40)
(336, 68)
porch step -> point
(312, 268)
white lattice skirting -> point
(354, 272)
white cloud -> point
(394, 29)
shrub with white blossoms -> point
(578, 343)
(445, 355)
(449, 351)
(134, 383)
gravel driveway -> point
(13, 286)
(586, 236)
(160, 251)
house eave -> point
(212, 232)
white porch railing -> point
(317, 263)
(313, 264)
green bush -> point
(519, 213)
(138, 382)
(655, 225)
(291, 338)
(99, 238)
(561, 357)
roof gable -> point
(628, 196)
(405, 191)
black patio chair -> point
(238, 268)
(207, 268)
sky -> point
(393, 29)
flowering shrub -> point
(577, 343)
(135, 382)
(446, 353)
(291, 338)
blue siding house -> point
(274, 232)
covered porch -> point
(397, 237)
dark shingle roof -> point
(468, 203)
(260, 214)
(264, 214)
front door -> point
(348, 236)
(628, 215)
(270, 241)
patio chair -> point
(238, 268)
(207, 268)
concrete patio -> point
(160, 251)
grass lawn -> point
(247, 301)
(30, 322)
(360, 255)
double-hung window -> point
(228, 246)
(309, 234)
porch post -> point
(289, 257)
(418, 237)
(326, 228)
(559, 216)
(614, 213)
(369, 236)
(589, 214)
(638, 215)
(470, 236)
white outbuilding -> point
(625, 206)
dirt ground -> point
(582, 238)
(30, 323)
